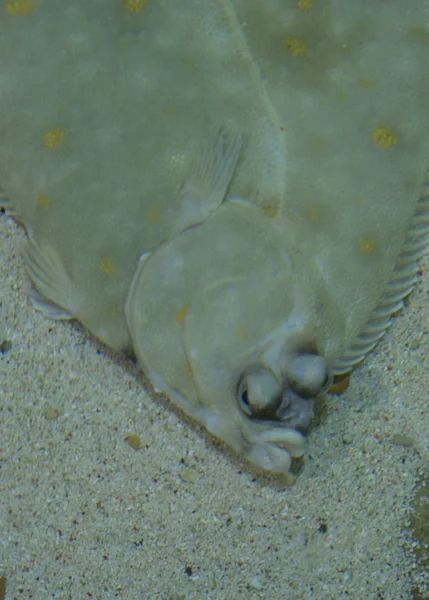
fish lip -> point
(288, 439)
(294, 410)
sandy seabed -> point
(84, 515)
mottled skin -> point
(243, 206)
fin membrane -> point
(51, 289)
(206, 184)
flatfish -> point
(236, 190)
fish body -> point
(238, 193)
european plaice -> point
(236, 190)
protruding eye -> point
(259, 393)
(243, 398)
(307, 374)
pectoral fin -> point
(205, 187)
(51, 290)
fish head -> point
(217, 318)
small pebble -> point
(188, 475)
(340, 383)
(256, 584)
(402, 440)
(347, 439)
(134, 441)
(5, 346)
(52, 412)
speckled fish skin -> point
(268, 164)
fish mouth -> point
(295, 410)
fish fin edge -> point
(51, 290)
(400, 285)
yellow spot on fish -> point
(19, 7)
(270, 209)
(153, 216)
(134, 6)
(43, 202)
(168, 110)
(384, 136)
(366, 82)
(296, 46)
(313, 213)
(107, 265)
(367, 245)
(53, 137)
(181, 313)
(240, 332)
(305, 4)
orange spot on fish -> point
(43, 202)
(134, 6)
(53, 137)
(181, 313)
(384, 136)
(367, 245)
(240, 332)
(19, 7)
(107, 265)
(305, 4)
(153, 216)
(296, 46)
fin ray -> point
(51, 290)
(402, 282)
(206, 185)
(214, 169)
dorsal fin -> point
(402, 282)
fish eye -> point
(243, 398)
(308, 376)
(259, 392)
